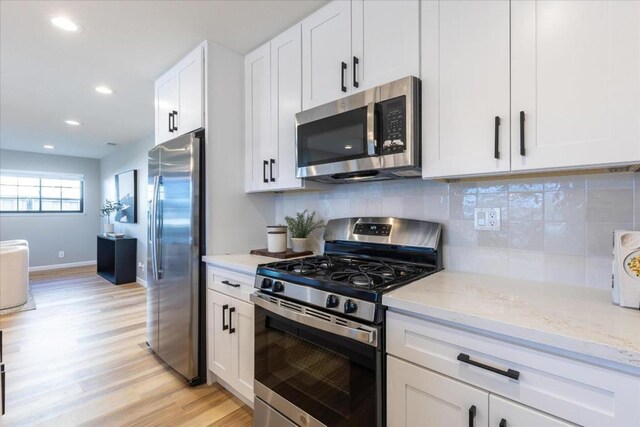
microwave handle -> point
(372, 143)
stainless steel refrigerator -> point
(176, 243)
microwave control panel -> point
(372, 229)
(393, 125)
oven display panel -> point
(372, 229)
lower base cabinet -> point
(230, 341)
(419, 397)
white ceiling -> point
(48, 75)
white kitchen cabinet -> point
(179, 98)
(505, 413)
(419, 397)
(465, 88)
(349, 46)
(230, 342)
(257, 118)
(575, 70)
(385, 42)
(326, 54)
(219, 357)
(273, 96)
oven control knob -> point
(266, 283)
(350, 306)
(278, 286)
(332, 301)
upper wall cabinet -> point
(179, 98)
(385, 40)
(575, 93)
(465, 86)
(326, 54)
(273, 96)
(348, 46)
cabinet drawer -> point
(581, 393)
(226, 281)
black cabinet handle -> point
(271, 163)
(472, 415)
(170, 125)
(228, 283)
(355, 71)
(503, 423)
(508, 373)
(496, 148)
(231, 328)
(175, 114)
(264, 171)
(2, 386)
(343, 68)
(522, 150)
(224, 324)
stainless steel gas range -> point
(319, 322)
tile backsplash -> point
(556, 229)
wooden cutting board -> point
(281, 255)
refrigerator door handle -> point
(158, 232)
(151, 227)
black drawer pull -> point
(264, 171)
(508, 373)
(496, 149)
(228, 283)
(522, 150)
(503, 423)
(343, 69)
(175, 114)
(224, 324)
(231, 328)
(472, 415)
(271, 163)
(355, 71)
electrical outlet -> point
(486, 219)
(61, 254)
(141, 266)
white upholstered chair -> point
(14, 275)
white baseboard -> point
(58, 266)
(141, 281)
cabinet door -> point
(257, 117)
(465, 84)
(166, 100)
(505, 413)
(575, 69)
(286, 101)
(242, 347)
(326, 46)
(419, 397)
(386, 41)
(221, 356)
(190, 80)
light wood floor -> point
(80, 358)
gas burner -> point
(359, 279)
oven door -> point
(314, 368)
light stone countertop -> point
(242, 263)
(578, 320)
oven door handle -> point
(355, 331)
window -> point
(22, 192)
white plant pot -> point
(108, 227)
(299, 245)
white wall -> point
(126, 158)
(555, 229)
(75, 234)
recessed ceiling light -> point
(72, 122)
(49, 147)
(65, 23)
(104, 90)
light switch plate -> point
(486, 219)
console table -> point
(117, 259)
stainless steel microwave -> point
(371, 135)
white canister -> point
(277, 240)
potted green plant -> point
(106, 210)
(300, 227)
